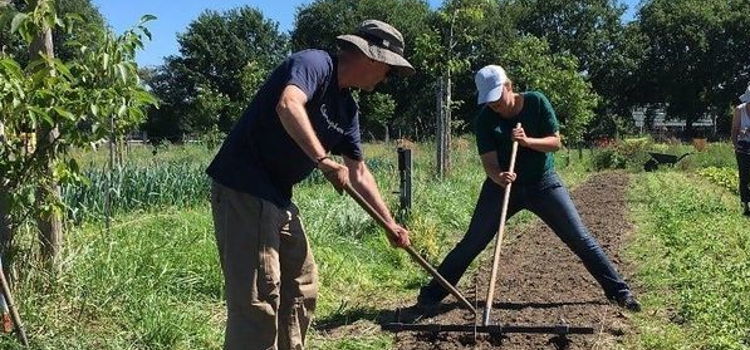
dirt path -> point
(541, 282)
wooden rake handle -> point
(501, 231)
(418, 258)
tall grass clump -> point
(136, 187)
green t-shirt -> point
(537, 119)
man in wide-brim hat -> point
(302, 112)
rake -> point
(486, 327)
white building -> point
(662, 121)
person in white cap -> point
(303, 111)
(741, 141)
(536, 186)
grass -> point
(693, 259)
(633, 153)
(153, 282)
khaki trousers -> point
(271, 281)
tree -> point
(86, 32)
(696, 55)
(209, 85)
(609, 52)
(464, 32)
(48, 191)
(532, 66)
(71, 103)
(587, 29)
(621, 80)
(379, 109)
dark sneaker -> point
(628, 302)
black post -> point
(404, 172)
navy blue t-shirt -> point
(260, 158)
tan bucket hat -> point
(381, 42)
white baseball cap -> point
(490, 80)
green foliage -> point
(379, 108)
(68, 104)
(587, 29)
(609, 158)
(716, 154)
(691, 249)
(608, 51)
(136, 187)
(610, 126)
(87, 31)
(628, 153)
(532, 66)
(465, 35)
(623, 81)
(724, 177)
(457, 25)
(213, 138)
(700, 42)
(224, 58)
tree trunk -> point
(439, 131)
(6, 233)
(6, 230)
(50, 223)
(111, 165)
(448, 123)
(120, 151)
(443, 132)
(50, 228)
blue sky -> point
(174, 16)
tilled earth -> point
(541, 282)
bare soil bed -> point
(541, 282)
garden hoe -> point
(486, 327)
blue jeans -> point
(550, 201)
(743, 164)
